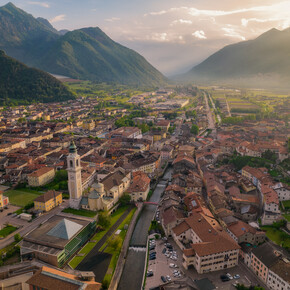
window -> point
(71, 163)
(77, 162)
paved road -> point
(96, 261)
(32, 225)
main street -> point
(29, 226)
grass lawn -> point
(81, 212)
(115, 253)
(7, 231)
(96, 238)
(21, 198)
(277, 236)
(287, 217)
(286, 204)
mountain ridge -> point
(86, 53)
(22, 84)
(265, 56)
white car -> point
(168, 278)
(230, 276)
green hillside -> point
(267, 56)
(86, 53)
(21, 84)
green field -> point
(21, 198)
(277, 236)
(286, 204)
(287, 217)
(7, 231)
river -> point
(132, 275)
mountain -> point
(21, 84)
(265, 58)
(86, 53)
(22, 36)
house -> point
(48, 200)
(53, 279)
(4, 201)
(205, 245)
(128, 132)
(282, 190)
(183, 162)
(262, 258)
(41, 176)
(139, 187)
(163, 124)
(243, 232)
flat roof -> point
(57, 231)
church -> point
(103, 195)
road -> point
(29, 226)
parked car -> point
(168, 278)
(163, 279)
(152, 258)
(230, 276)
(224, 278)
(237, 276)
(164, 251)
(149, 274)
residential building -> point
(205, 245)
(139, 187)
(48, 200)
(41, 176)
(4, 201)
(243, 232)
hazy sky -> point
(173, 35)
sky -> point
(173, 35)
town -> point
(186, 187)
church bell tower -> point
(74, 177)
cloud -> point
(42, 4)
(113, 19)
(199, 34)
(181, 21)
(230, 32)
(58, 18)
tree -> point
(104, 219)
(125, 199)
(194, 129)
(270, 155)
(115, 242)
(17, 238)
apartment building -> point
(48, 201)
(205, 245)
(41, 176)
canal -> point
(135, 261)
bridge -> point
(150, 202)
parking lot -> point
(161, 267)
(5, 218)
